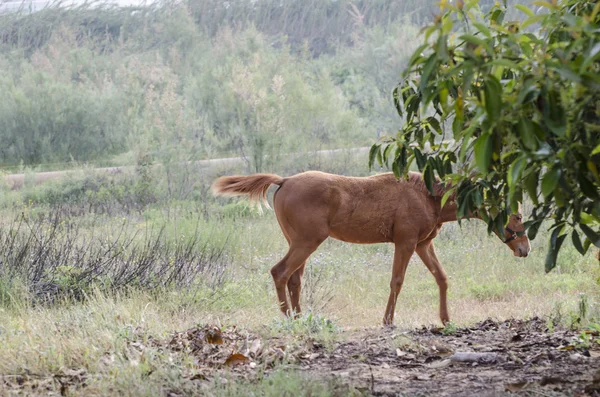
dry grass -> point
(346, 283)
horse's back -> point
(353, 209)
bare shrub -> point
(56, 259)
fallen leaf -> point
(214, 336)
(72, 372)
(516, 387)
(255, 347)
(567, 347)
(236, 359)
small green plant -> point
(577, 318)
(69, 279)
(583, 306)
(308, 324)
(449, 329)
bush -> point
(54, 259)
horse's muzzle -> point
(521, 252)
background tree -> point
(508, 109)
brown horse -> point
(314, 205)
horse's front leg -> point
(402, 254)
(426, 252)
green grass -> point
(345, 288)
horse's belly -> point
(365, 235)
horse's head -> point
(515, 237)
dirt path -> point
(16, 181)
(510, 356)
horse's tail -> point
(254, 186)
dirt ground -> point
(488, 359)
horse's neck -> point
(448, 213)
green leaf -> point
(435, 124)
(464, 205)
(386, 154)
(506, 63)
(417, 55)
(586, 244)
(532, 228)
(591, 234)
(493, 98)
(373, 155)
(550, 181)
(483, 151)
(483, 29)
(497, 16)
(527, 134)
(525, 9)
(531, 183)
(544, 4)
(587, 219)
(595, 151)
(587, 187)
(500, 223)
(555, 243)
(396, 169)
(532, 20)
(397, 101)
(429, 179)
(469, 38)
(421, 159)
(555, 114)
(567, 73)
(515, 170)
(577, 242)
(427, 70)
(594, 53)
(446, 196)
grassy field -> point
(84, 320)
(98, 272)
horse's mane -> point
(416, 179)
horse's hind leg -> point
(294, 286)
(286, 268)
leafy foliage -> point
(506, 110)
